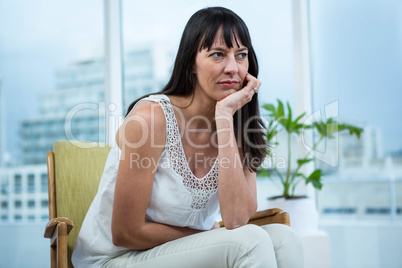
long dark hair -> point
(199, 34)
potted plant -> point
(289, 177)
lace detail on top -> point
(200, 189)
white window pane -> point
(356, 59)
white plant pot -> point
(303, 215)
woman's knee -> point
(249, 235)
(283, 235)
(287, 244)
(252, 245)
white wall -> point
(365, 245)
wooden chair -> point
(74, 172)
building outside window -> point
(31, 203)
(37, 41)
(17, 183)
(31, 183)
(4, 186)
(18, 204)
(43, 182)
(44, 203)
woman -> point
(182, 155)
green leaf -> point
(289, 121)
(269, 107)
(301, 175)
(299, 117)
(353, 130)
(320, 127)
(315, 179)
(263, 173)
(329, 127)
(281, 110)
(301, 162)
(271, 133)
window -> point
(398, 205)
(17, 183)
(31, 203)
(17, 204)
(356, 66)
(18, 218)
(43, 50)
(44, 203)
(339, 210)
(43, 182)
(4, 204)
(4, 186)
(371, 210)
(31, 183)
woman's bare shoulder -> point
(144, 121)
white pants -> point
(249, 246)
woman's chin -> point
(227, 93)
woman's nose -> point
(231, 65)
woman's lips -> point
(228, 84)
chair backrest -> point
(78, 168)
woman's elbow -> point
(118, 238)
(116, 241)
(126, 239)
(238, 220)
(234, 223)
(231, 226)
(121, 236)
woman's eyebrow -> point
(243, 49)
(223, 49)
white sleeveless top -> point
(178, 197)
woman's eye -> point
(216, 54)
(242, 55)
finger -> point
(257, 87)
(253, 83)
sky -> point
(356, 51)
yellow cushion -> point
(78, 170)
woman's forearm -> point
(151, 235)
(237, 200)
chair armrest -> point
(57, 230)
(52, 225)
(268, 216)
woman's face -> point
(221, 71)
